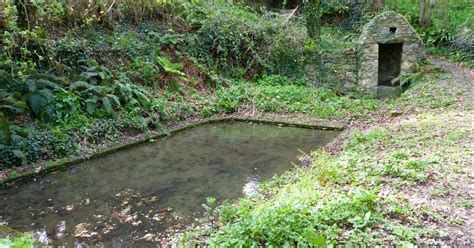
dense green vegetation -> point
(451, 31)
(12, 238)
(76, 77)
(68, 91)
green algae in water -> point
(126, 198)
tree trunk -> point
(3, 18)
(426, 12)
(312, 16)
(377, 5)
(422, 12)
(429, 13)
(21, 10)
(26, 13)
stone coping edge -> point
(63, 163)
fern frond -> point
(91, 104)
(115, 100)
(80, 85)
(107, 105)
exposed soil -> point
(455, 198)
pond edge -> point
(66, 162)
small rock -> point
(396, 113)
(61, 229)
(304, 162)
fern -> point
(130, 93)
(99, 91)
(8, 84)
(142, 96)
(170, 67)
(407, 79)
(107, 105)
(10, 105)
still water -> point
(132, 197)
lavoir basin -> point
(134, 196)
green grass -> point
(451, 14)
(286, 97)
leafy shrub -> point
(68, 112)
(12, 238)
(10, 104)
(101, 93)
(323, 103)
(40, 97)
(359, 139)
(228, 99)
(463, 43)
(23, 50)
(99, 130)
(129, 93)
(174, 106)
(73, 51)
(284, 223)
(36, 93)
(219, 44)
(96, 98)
(279, 80)
(445, 36)
(144, 72)
(4, 129)
(29, 146)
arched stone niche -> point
(388, 47)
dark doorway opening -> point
(390, 58)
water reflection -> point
(132, 197)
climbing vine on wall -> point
(312, 15)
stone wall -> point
(339, 71)
(380, 30)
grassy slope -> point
(400, 180)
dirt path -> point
(452, 194)
(459, 72)
(462, 77)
